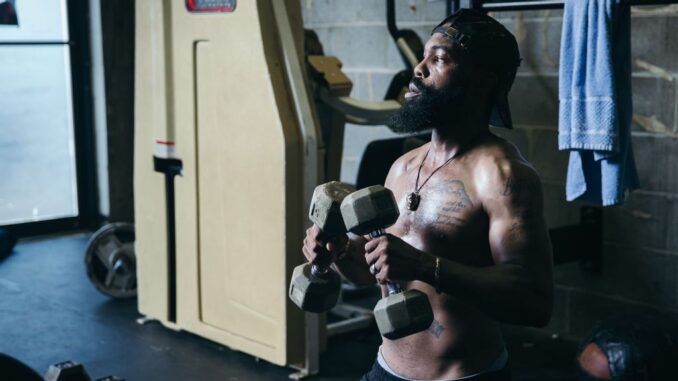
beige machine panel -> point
(240, 221)
(214, 85)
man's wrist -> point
(428, 269)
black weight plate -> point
(110, 260)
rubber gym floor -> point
(49, 312)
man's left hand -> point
(396, 260)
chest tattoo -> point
(448, 211)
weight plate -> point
(110, 260)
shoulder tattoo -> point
(516, 187)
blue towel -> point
(595, 101)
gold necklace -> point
(413, 199)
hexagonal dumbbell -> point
(72, 371)
(370, 211)
(316, 288)
(67, 371)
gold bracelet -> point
(436, 275)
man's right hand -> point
(319, 249)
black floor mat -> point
(49, 312)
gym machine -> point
(235, 126)
(205, 221)
(225, 148)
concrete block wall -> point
(640, 256)
(641, 237)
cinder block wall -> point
(641, 237)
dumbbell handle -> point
(319, 270)
(393, 288)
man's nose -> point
(420, 71)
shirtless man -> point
(472, 236)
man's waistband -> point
(500, 363)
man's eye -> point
(438, 59)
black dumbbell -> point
(316, 288)
(72, 371)
(370, 211)
(67, 371)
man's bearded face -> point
(430, 108)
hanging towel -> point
(595, 101)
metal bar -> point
(171, 168)
(390, 19)
(85, 169)
(346, 311)
(550, 4)
(522, 5)
(349, 325)
(11, 43)
(353, 318)
(403, 47)
(357, 111)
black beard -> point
(431, 108)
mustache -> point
(417, 83)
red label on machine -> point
(164, 149)
(210, 5)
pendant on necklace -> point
(413, 201)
